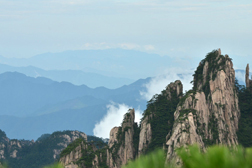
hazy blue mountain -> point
(32, 127)
(110, 62)
(22, 95)
(34, 106)
(76, 77)
(73, 104)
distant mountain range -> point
(76, 77)
(34, 106)
(110, 62)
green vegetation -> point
(216, 156)
(136, 138)
(193, 157)
(72, 146)
(186, 95)
(94, 138)
(88, 150)
(160, 111)
(186, 111)
(245, 122)
(56, 165)
(38, 154)
(2, 136)
(153, 160)
(88, 154)
(43, 137)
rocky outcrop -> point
(113, 136)
(247, 80)
(95, 162)
(155, 113)
(74, 155)
(66, 139)
(145, 135)
(10, 148)
(176, 87)
(121, 143)
(209, 113)
(84, 154)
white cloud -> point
(129, 46)
(149, 47)
(158, 83)
(95, 46)
(113, 118)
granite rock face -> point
(121, 145)
(113, 136)
(145, 135)
(69, 159)
(174, 86)
(209, 113)
(146, 127)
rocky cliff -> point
(158, 118)
(208, 114)
(122, 141)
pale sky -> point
(176, 28)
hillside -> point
(30, 154)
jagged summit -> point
(208, 69)
(209, 113)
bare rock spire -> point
(247, 76)
(219, 52)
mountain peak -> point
(209, 113)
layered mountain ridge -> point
(47, 104)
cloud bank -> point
(113, 118)
(158, 83)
